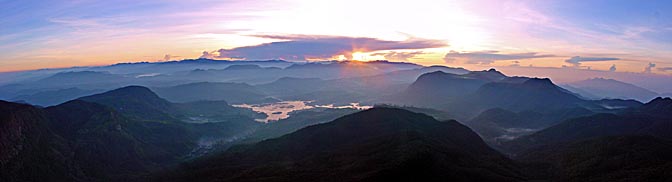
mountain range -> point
(601, 88)
(195, 120)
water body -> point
(280, 110)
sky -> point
(611, 36)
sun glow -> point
(359, 56)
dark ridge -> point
(379, 144)
(243, 67)
(659, 103)
(489, 75)
(134, 101)
(29, 150)
(616, 158)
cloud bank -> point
(398, 56)
(577, 60)
(310, 47)
(664, 69)
(487, 57)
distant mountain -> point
(402, 76)
(235, 93)
(652, 118)
(345, 69)
(499, 125)
(134, 101)
(64, 81)
(478, 91)
(444, 85)
(385, 66)
(379, 144)
(599, 88)
(288, 86)
(80, 76)
(54, 97)
(184, 65)
(617, 104)
(533, 94)
(243, 67)
(82, 79)
(618, 158)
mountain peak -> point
(661, 100)
(658, 105)
(489, 75)
(127, 92)
(134, 101)
(539, 82)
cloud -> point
(305, 47)
(398, 56)
(207, 55)
(647, 69)
(664, 69)
(169, 57)
(577, 60)
(487, 57)
(612, 68)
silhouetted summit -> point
(134, 101)
(490, 75)
(658, 105)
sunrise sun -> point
(359, 56)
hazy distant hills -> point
(652, 118)
(54, 97)
(350, 75)
(375, 145)
(599, 88)
(106, 124)
(470, 94)
(236, 93)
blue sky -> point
(473, 34)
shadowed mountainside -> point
(372, 145)
(616, 158)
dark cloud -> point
(577, 60)
(487, 57)
(648, 68)
(515, 63)
(168, 57)
(398, 56)
(612, 68)
(304, 47)
(664, 69)
(207, 55)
